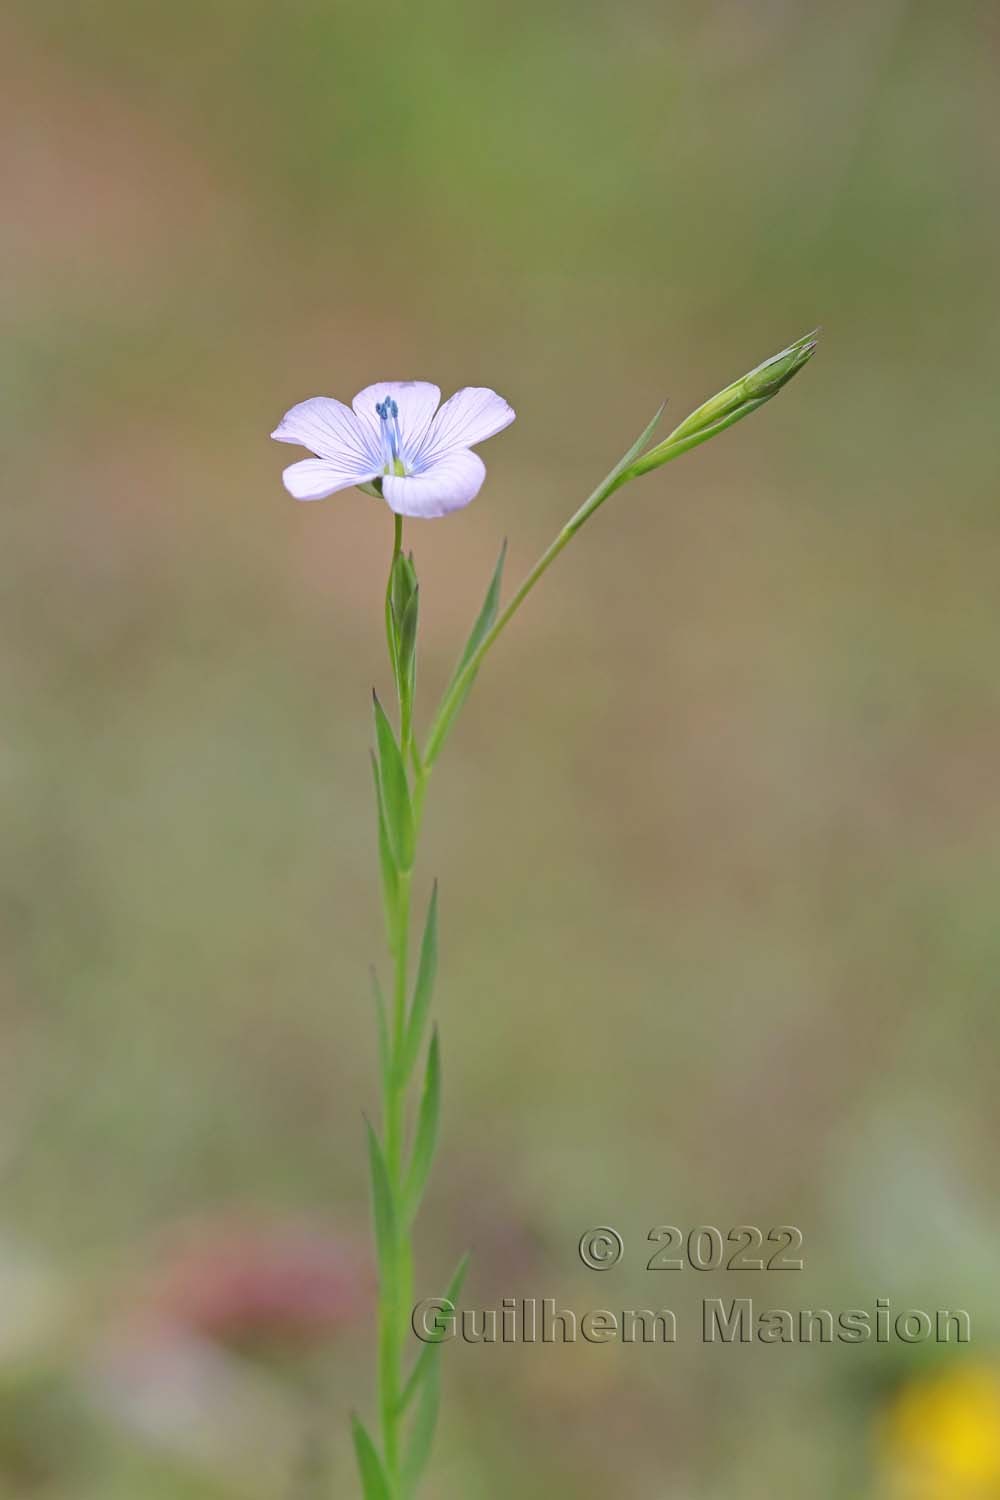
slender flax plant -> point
(396, 443)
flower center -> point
(392, 458)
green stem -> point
(395, 1293)
(389, 1292)
(436, 737)
(672, 447)
(393, 1296)
(405, 725)
(396, 1282)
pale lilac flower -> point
(395, 442)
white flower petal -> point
(331, 430)
(445, 486)
(417, 401)
(470, 416)
(315, 478)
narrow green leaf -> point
(386, 859)
(615, 478)
(408, 643)
(421, 1440)
(395, 790)
(430, 1353)
(382, 1024)
(483, 625)
(403, 582)
(486, 616)
(423, 989)
(374, 1483)
(637, 446)
(425, 1138)
(383, 1208)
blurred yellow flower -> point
(941, 1437)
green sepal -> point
(374, 1484)
(423, 990)
(674, 447)
(398, 810)
(425, 1137)
(431, 1351)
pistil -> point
(392, 460)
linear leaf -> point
(423, 990)
(408, 642)
(431, 1352)
(637, 446)
(486, 616)
(404, 581)
(484, 624)
(383, 1208)
(395, 790)
(615, 478)
(374, 1483)
(382, 1023)
(386, 859)
(421, 1440)
(425, 1138)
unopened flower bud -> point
(738, 400)
(760, 384)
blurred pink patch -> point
(235, 1282)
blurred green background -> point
(719, 835)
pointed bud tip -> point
(768, 378)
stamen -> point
(388, 413)
(397, 437)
